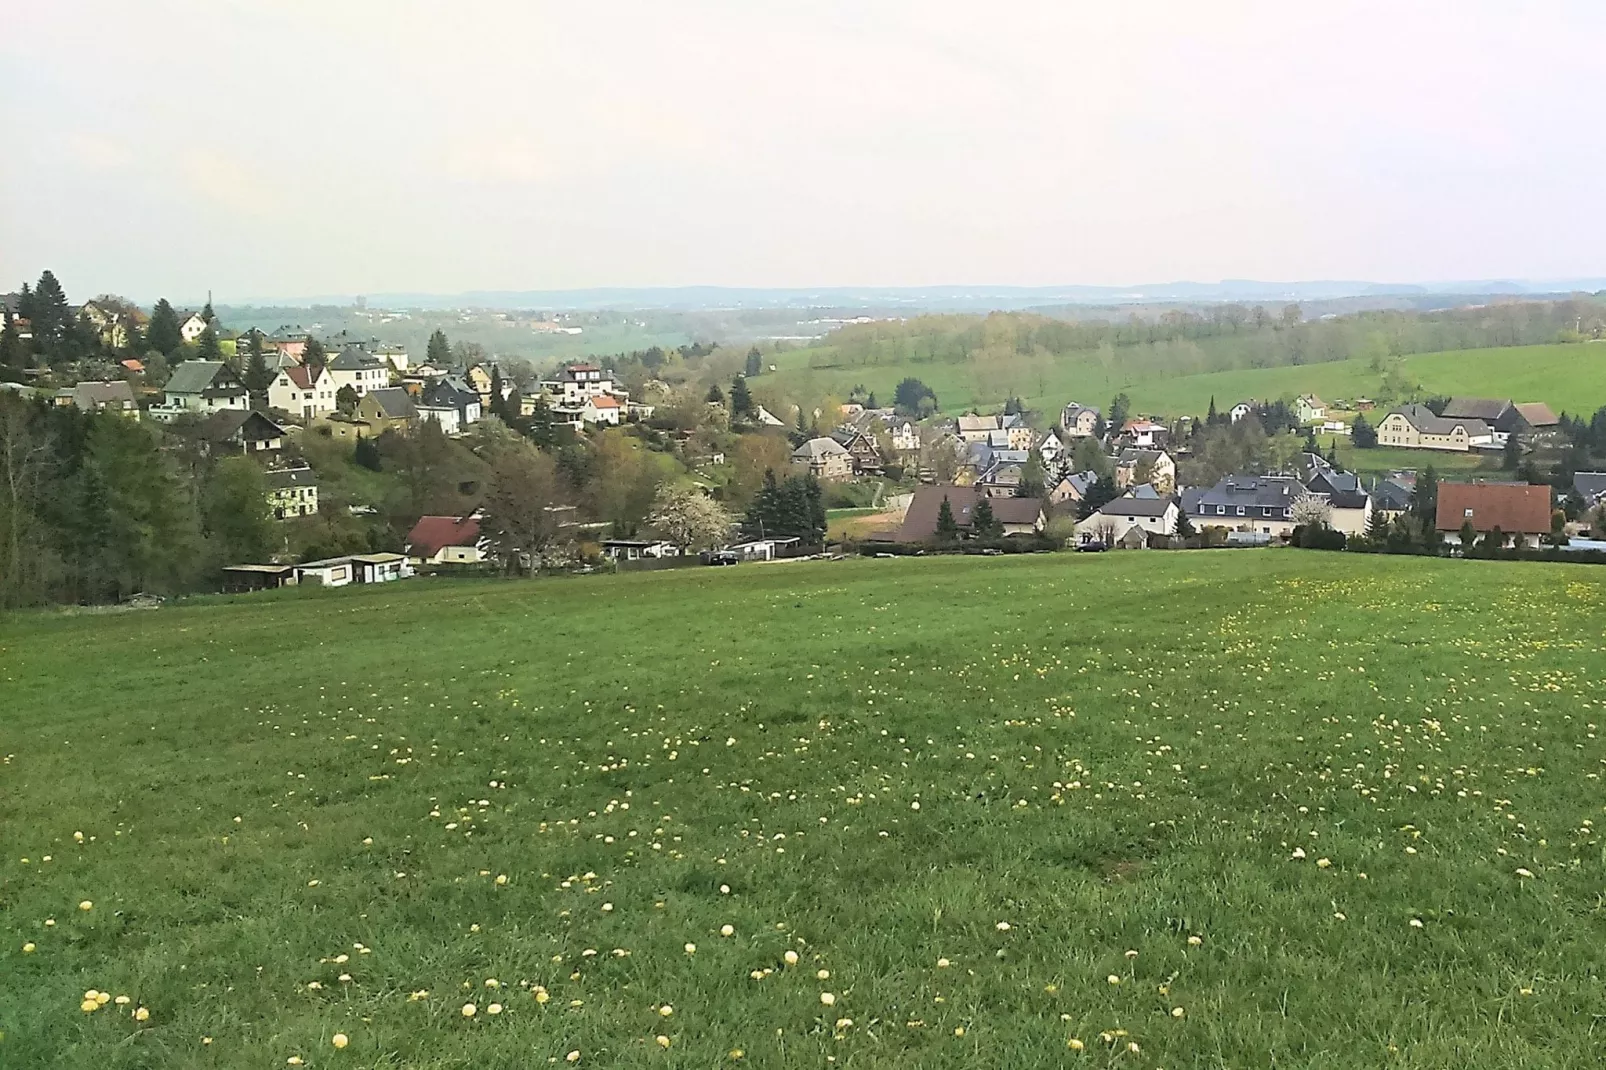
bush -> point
(1317, 538)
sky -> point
(268, 149)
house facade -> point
(292, 492)
(242, 431)
(306, 391)
(1016, 516)
(1135, 466)
(358, 369)
(447, 540)
(824, 458)
(1308, 409)
(1416, 427)
(1260, 504)
(1348, 502)
(863, 453)
(1519, 511)
(111, 396)
(1142, 509)
(200, 388)
(1079, 421)
(1051, 448)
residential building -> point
(1392, 496)
(242, 431)
(864, 454)
(1072, 487)
(1079, 421)
(638, 549)
(1016, 433)
(1261, 504)
(766, 418)
(292, 492)
(825, 458)
(358, 369)
(1050, 448)
(1144, 433)
(1135, 466)
(1240, 410)
(114, 321)
(200, 388)
(303, 390)
(602, 409)
(1308, 409)
(1001, 479)
(1520, 511)
(1143, 508)
(1413, 426)
(449, 403)
(578, 383)
(1503, 417)
(380, 567)
(1349, 504)
(387, 408)
(447, 540)
(1017, 516)
(111, 396)
(1591, 487)
(191, 325)
(905, 437)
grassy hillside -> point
(1232, 809)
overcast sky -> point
(284, 148)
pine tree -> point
(162, 333)
(11, 351)
(496, 392)
(1212, 417)
(439, 351)
(755, 362)
(367, 455)
(983, 524)
(207, 345)
(741, 398)
(314, 355)
(257, 375)
(947, 527)
(51, 319)
(870, 402)
(1032, 477)
(716, 396)
(207, 315)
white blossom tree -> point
(1312, 511)
(691, 519)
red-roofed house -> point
(1145, 433)
(447, 540)
(305, 390)
(602, 409)
(1521, 512)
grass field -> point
(1381, 460)
(1247, 809)
(1566, 377)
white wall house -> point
(201, 388)
(302, 390)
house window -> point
(1240, 510)
(1467, 513)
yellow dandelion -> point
(727, 930)
(1114, 979)
(1195, 941)
(86, 905)
(737, 1053)
(663, 1041)
(790, 958)
(822, 975)
(665, 1011)
(142, 1014)
(1177, 1012)
(122, 1001)
(294, 1060)
(29, 948)
(501, 878)
(943, 964)
(340, 1040)
(827, 999)
(573, 1056)
(469, 1010)
(691, 949)
(89, 1006)
(1074, 1044)
(959, 1030)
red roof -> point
(603, 401)
(1511, 508)
(133, 365)
(303, 376)
(433, 532)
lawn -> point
(1381, 460)
(1253, 808)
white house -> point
(1144, 433)
(1240, 410)
(905, 439)
(330, 572)
(602, 409)
(1050, 448)
(449, 416)
(359, 370)
(292, 492)
(578, 383)
(442, 540)
(1143, 508)
(304, 390)
(191, 326)
(1308, 408)
(200, 388)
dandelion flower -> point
(89, 1006)
(1114, 979)
(1074, 1044)
(1177, 1012)
(78, 836)
(294, 1060)
(1323, 863)
(665, 1011)
(1524, 873)
(691, 949)
(607, 908)
(501, 878)
(1299, 853)
(727, 930)
(491, 982)
(495, 1008)
(541, 995)
(663, 1041)
(122, 1001)
(469, 1010)
(1195, 941)
(573, 1056)
(1416, 923)
(844, 1023)
(143, 1014)
(943, 964)
(724, 889)
(790, 957)
(827, 999)
(822, 975)
(29, 948)
(737, 1053)
(339, 1040)
(1002, 926)
(86, 905)
(959, 1030)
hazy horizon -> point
(282, 150)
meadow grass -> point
(1566, 377)
(1240, 809)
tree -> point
(1184, 529)
(162, 332)
(1511, 453)
(1101, 493)
(716, 396)
(1377, 528)
(1032, 477)
(691, 519)
(539, 426)
(983, 525)
(741, 398)
(48, 311)
(520, 520)
(793, 507)
(257, 376)
(1311, 511)
(498, 402)
(347, 400)
(234, 512)
(1120, 412)
(1362, 434)
(438, 353)
(1212, 417)
(1469, 534)
(208, 345)
(12, 354)
(207, 315)
(1088, 456)
(755, 362)
(367, 455)
(947, 527)
(314, 355)
(914, 398)
(870, 402)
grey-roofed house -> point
(247, 431)
(1263, 504)
(1132, 461)
(1017, 516)
(200, 388)
(1591, 487)
(1142, 509)
(292, 492)
(1079, 421)
(111, 396)
(1391, 497)
(359, 369)
(1417, 427)
(1072, 487)
(1348, 501)
(825, 458)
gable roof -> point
(1134, 455)
(284, 478)
(91, 395)
(199, 376)
(1537, 413)
(920, 521)
(431, 533)
(1486, 409)
(1421, 417)
(393, 402)
(1133, 504)
(1392, 496)
(604, 401)
(304, 375)
(239, 425)
(1590, 486)
(978, 423)
(1074, 409)
(353, 358)
(818, 449)
(1511, 507)
(1263, 492)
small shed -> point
(238, 579)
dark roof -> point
(920, 521)
(1135, 505)
(1421, 417)
(1489, 410)
(1589, 485)
(1134, 455)
(1342, 490)
(239, 425)
(393, 402)
(199, 376)
(1507, 506)
(1261, 491)
(433, 532)
(91, 395)
(281, 478)
(1392, 496)
(353, 359)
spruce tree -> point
(741, 398)
(947, 527)
(983, 524)
(208, 346)
(439, 351)
(716, 396)
(51, 319)
(162, 333)
(314, 355)
(257, 376)
(755, 362)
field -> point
(1254, 808)
(1566, 377)
(1381, 460)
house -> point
(1018, 516)
(112, 396)
(330, 572)
(638, 549)
(191, 325)
(292, 492)
(1013, 424)
(447, 540)
(395, 356)
(766, 549)
(240, 579)
(307, 391)
(975, 428)
(1144, 508)
(1134, 466)
(385, 409)
(244, 431)
(1016, 434)
(825, 458)
(450, 403)
(1536, 418)
(1079, 421)
(132, 366)
(1001, 479)
(380, 567)
(1349, 505)
(1520, 511)
(1263, 504)
(200, 388)
(113, 321)
(578, 383)
(1072, 487)
(905, 437)
(1240, 410)
(602, 409)
(766, 418)
(1591, 487)
(865, 455)
(1144, 433)
(1050, 448)
(1308, 409)
(357, 368)
(1415, 427)
(1392, 496)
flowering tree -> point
(690, 519)
(1312, 511)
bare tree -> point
(520, 515)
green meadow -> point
(1568, 377)
(1209, 809)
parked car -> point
(719, 557)
(1092, 547)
